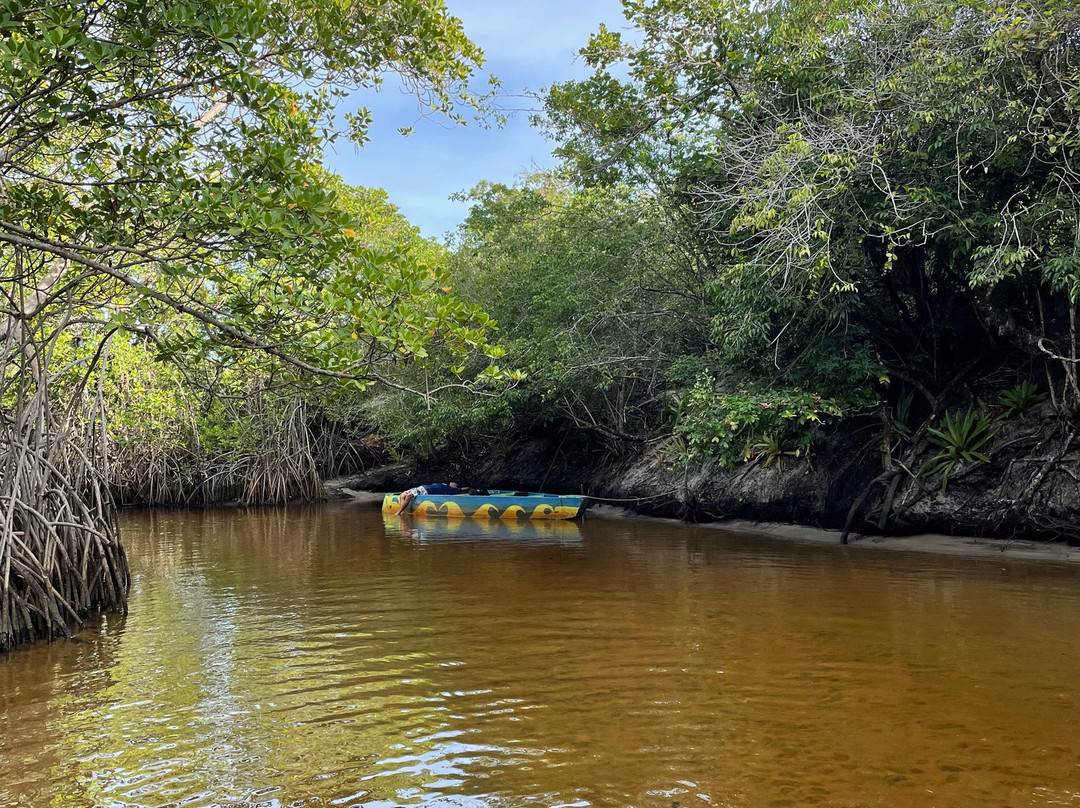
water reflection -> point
(316, 657)
(428, 529)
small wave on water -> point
(319, 656)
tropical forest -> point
(806, 263)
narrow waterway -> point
(322, 657)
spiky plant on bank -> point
(960, 440)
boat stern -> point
(391, 504)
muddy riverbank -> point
(935, 543)
(1026, 499)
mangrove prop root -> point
(1051, 462)
(887, 507)
(285, 462)
(61, 560)
(859, 500)
(60, 555)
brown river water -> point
(322, 657)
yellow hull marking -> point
(484, 510)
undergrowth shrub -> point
(731, 426)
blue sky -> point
(528, 44)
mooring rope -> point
(631, 499)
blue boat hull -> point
(493, 505)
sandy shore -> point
(940, 544)
(937, 543)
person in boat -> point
(434, 489)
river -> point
(325, 657)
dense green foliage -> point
(593, 300)
(769, 217)
(167, 153)
(160, 179)
(234, 426)
(781, 214)
(159, 182)
(874, 180)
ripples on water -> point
(319, 657)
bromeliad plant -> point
(773, 450)
(1021, 399)
(960, 439)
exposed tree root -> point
(60, 554)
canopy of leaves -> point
(168, 151)
(592, 298)
(876, 181)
